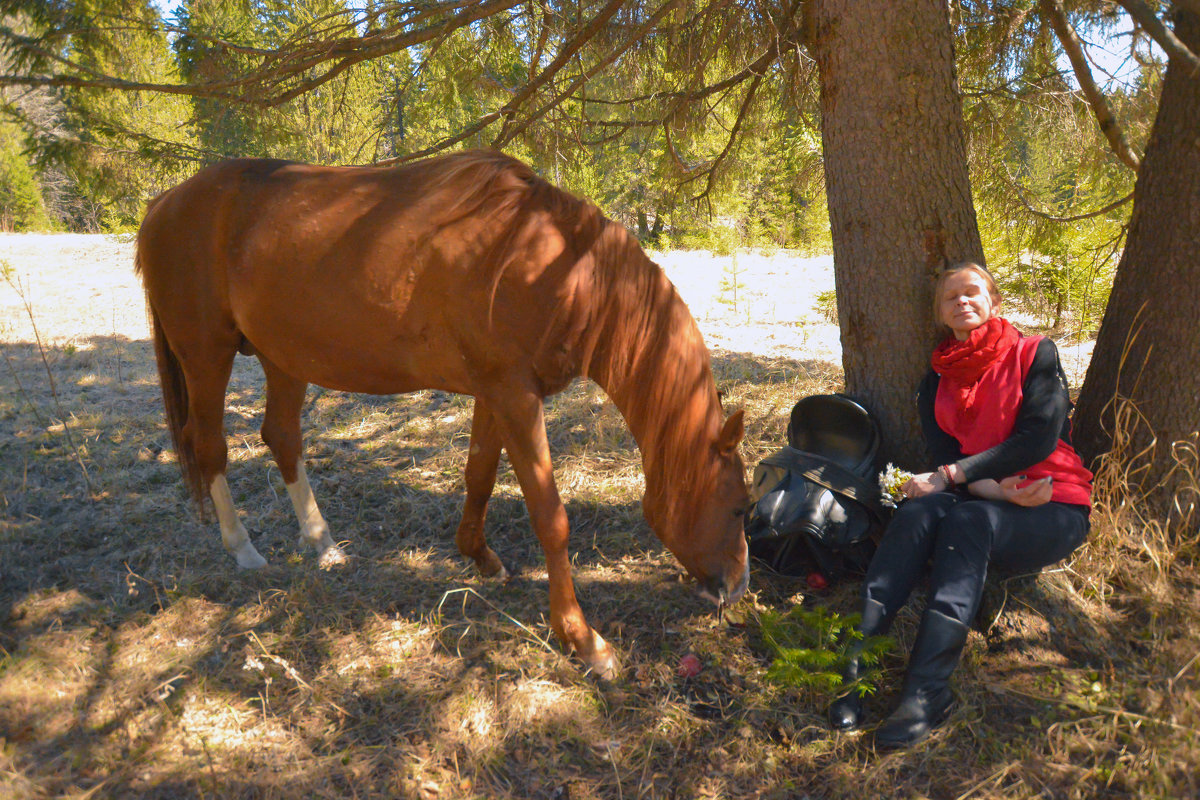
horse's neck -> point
(651, 361)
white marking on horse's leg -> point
(604, 663)
(233, 533)
(314, 530)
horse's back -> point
(264, 207)
(362, 278)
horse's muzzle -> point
(718, 589)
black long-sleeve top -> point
(1041, 421)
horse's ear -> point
(732, 432)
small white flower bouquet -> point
(891, 481)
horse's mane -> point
(489, 185)
(480, 183)
(625, 326)
(648, 354)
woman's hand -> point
(922, 484)
(1034, 493)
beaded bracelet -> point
(944, 471)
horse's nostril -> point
(712, 588)
(723, 586)
(715, 589)
(735, 586)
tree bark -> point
(899, 194)
(1148, 349)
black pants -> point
(962, 536)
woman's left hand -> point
(1033, 493)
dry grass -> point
(135, 661)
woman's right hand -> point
(923, 483)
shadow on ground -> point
(138, 662)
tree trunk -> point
(1148, 348)
(899, 194)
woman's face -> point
(966, 302)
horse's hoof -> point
(491, 567)
(604, 668)
(320, 541)
(248, 558)
(601, 661)
(332, 556)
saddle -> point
(816, 502)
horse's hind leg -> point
(281, 432)
(205, 434)
(483, 457)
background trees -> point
(981, 128)
(1143, 387)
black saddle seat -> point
(836, 427)
(816, 501)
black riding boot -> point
(926, 699)
(845, 713)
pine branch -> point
(446, 143)
(567, 52)
(1023, 197)
(574, 86)
(355, 50)
(1109, 125)
(543, 35)
(711, 170)
(279, 66)
(1160, 33)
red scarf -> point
(964, 363)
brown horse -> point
(465, 273)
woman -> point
(1010, 493)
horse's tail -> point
(175, 399)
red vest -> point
(991, 418)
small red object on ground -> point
(689, 666)
(816, 581)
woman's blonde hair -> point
(939, 283)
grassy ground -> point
(136, 661)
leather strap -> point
(833, 476)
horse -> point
(466, 273)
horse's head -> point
(706, 532)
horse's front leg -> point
(483, 457)
(523, 431)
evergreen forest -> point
(697, 125)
